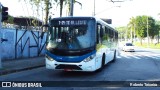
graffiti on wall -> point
(22, 43)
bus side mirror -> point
(44, 29)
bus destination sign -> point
(72, 22)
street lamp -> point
(158, 30)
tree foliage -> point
(65, 2)
(141, 24)
(122, 32)
(131, 28)
(48, 5)
(46, 8)
(10, 19)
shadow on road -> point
(142, 51)
(78, 75)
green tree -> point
(152, 28)
(68, 5)
(131, 27)
(10, 20)
(157, 28)
(38, 3)
(65, 2)
(122, 32)
(60, 2)
(141, 22)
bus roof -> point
(75, 17)
(86, 17)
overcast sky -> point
(120, 13)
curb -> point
(5, 72)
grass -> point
(151, 45)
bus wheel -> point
(103, 61)
(114, 57)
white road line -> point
(136, 57)
(119, 57)
(139, 55)
(130, 55)
(126, 57)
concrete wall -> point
(30, 49)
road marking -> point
(119, 57)
(139, 55)
(126, 57)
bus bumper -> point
(67, 66)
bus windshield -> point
(74, 36)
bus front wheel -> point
(114, 57)
(103, 61)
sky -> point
(119, 12)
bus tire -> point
(114, 57)
(103, 62)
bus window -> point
(111, 34)
(106, 30)
(51, 34)
(101, 31)
(97, 33)
(105, 34)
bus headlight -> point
(89, 58)
(49, 58)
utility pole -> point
(131, 35)
(147, 34)
(158, 36)
(94, 11)
(71, 7)
(134, 33)
(126, 33)
(158, 32)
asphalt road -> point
(141, 65)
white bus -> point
(80, 44)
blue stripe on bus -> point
(69, 58)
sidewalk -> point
(11, 66)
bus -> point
(80, 44)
